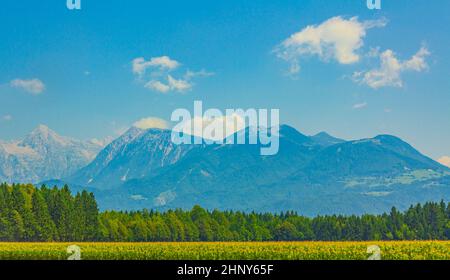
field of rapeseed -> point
(410, 250)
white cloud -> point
(391, 68)
(148, 123)
(230, 124)
(158, 78)
(172, 84)
(202, 73)
(178, 85)
(158, 86)
(337, 38)
(140, 65)
(445, 160)
(33, 86)
(417, 62)
(360, 105)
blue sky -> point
(73, 70)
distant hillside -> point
(320, 174)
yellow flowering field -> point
(405, 250)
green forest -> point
(52, 214)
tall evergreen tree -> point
(45, 227)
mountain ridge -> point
(42, 155)
(318, 174)
(358, 175)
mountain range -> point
(313, 175)
(44, 155)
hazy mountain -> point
(143, 154)
(136, 154)
(43, 155)
(382, 156)
(311, 174)
(326, 139)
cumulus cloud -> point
(336, 39)
(140, 65)
(157, 86)
(33, 86)
(360, 105)
(155, 74)
(148, 123)
(173, 84)
(178, 85)
(230, 124)
(391, 68)
(445, 161)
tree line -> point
(52, 214)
